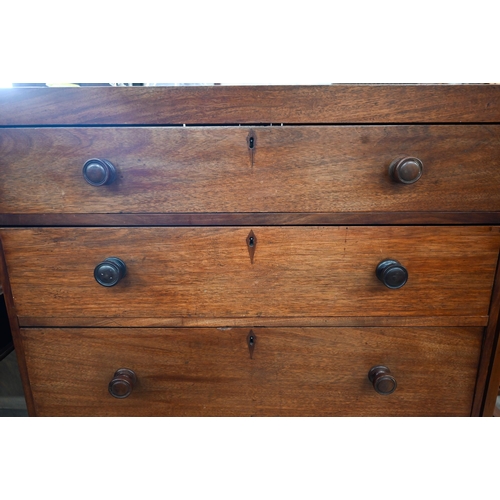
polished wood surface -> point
(252, 104)
(15, 331)
(489, 368)
(250, 321)
(244, 227)
(207, 272)
(488, 374)
(494, 381)
(293, 371)
(209, 169)
(251, 219)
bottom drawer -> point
(292, 371)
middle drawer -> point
(257, 273)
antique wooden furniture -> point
(325, 250)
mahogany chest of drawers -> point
(326, 251)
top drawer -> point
(295, 169)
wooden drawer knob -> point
(383, 382)
(110, 272)
(392, 274)
(406, 170)
(122, 383)
(99, 172)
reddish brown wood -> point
(252, 219)
(207, 169)
(489, 369)
(254, 104)
(296, 272)
(293, 371)
(493, 382)
(30, 321)
(484, 399)
(16, 336)
(317, 174)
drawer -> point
(296, 169)
(293, 371)
(182, 273)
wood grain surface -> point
(489, 368)
(252, 104)
(313, 162)
(488, 375)
(15, 331)
(206, 272)
(291, 169)
(493, 382)
(251, 219)
(293, 371)
(249, 321)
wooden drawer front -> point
(207, 272)
(212, 169)
(294, 371)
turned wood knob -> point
(406, 170)
(99, 172)
(383, 382)
(110, 272)
(392, 274)
(122, 383)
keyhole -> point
(250, 241)
(250, 340)
(250, 142)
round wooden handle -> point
(391, 273)
(383, 382)
(406, 170)
(98, 172)
(122, 383)
(110, 272)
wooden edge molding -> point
(251, 219)
(494, 382)
(16, 334)
(486, 386)
(492, 351)
(211, 105)
(189, 322)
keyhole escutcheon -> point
(251, 340)
(251, 244)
